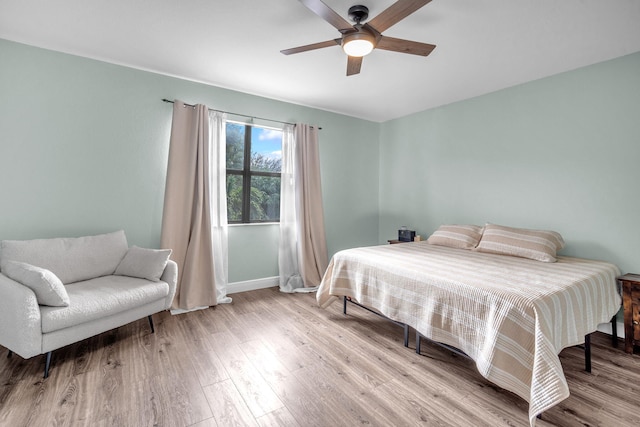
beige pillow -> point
(47, 286)
(540, 245)
(456, 236)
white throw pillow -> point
(144, 263)
(48, 288)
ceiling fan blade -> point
(395, 13)
(313, 46)
(353, 65)
(325, 12)
(405, 46)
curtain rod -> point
(238, 114)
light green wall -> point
(560, 153)
(83, 149)
(84, 144)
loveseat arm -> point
(170, 276)
(20, 322)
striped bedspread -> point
(511, 315)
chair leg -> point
(9, 354)
(151, 324)
(47, 365)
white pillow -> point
(144, 263)
(48, 288)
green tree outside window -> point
(254, 164)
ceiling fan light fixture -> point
(358, 44)
(358, 40)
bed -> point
(511, 315)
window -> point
(254, 161)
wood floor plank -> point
(209, 422)
(228, 407)
(181, 397)
(415, 410)
(302, 401)
(255, 391)
(277, 376)
(267, 364)
(340, 344)
(141, 354)
(278, 418)
(336, 391)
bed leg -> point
(344, 305)
(9, 354)
(418, 342)
(406, 335)
(614, 331)
(587, 353)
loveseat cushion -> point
(71, 259)
(104, 296)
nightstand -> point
(631, 304)
(396, 241)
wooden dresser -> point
(631, 303)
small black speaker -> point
(406, 235)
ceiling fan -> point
(360, 39)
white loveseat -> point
(54, 292)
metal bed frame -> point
(586, 345)
(405, 327)
(419, 336)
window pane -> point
(234, 198)
(266, 149)
(235, 146)
(265, 198)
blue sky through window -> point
(267, 142)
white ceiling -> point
(482, 45)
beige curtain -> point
(186, 219)
(309, 211)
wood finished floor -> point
(273, 359)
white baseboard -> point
(252, 285)
(236, 287)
